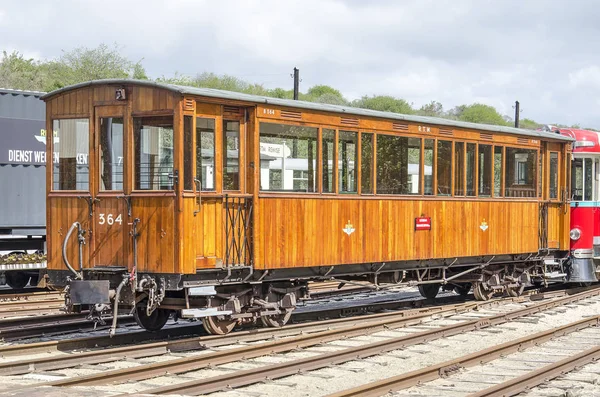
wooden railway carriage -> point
(222, 206)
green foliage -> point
(20, 73)
(529, 124)
(480, 113)
(432, 109)
(384, 103)
(106, 62)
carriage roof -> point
(257, 99)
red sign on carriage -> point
(423, 223)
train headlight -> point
(575, 234)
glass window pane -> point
(366, 165)
(205, 152)
(588, 179)
(398, 164)
(428, 153)
(188, 154)
(153, 141)
(71, 154)
(327, 160)
(471, 169)
(347, 152)
(231, 155)
(521, 172)
(553, 175)
(498, 164)
(577, 180)
(485, 170)
(111, 153)
(291, 165)
(459, 168)
(444, 168)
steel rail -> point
(433, 372)
(541, 375)
(334, 316)
(242, 378)
(320, 333)
(27, 296)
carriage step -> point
(202, 291)
(554, 275)
(208, 312)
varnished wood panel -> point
(110, 241)
(148, 99)
(156, 241)
(310, 232)
(62, 213)
(204, 234)
(74, 103)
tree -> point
(529, 124)
(432, 109)
(483, 114)
(20, 73)
(384, 103)
(324, 94)
(84, 64)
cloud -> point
(541, 53)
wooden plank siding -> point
(292, 229)
(309, 232)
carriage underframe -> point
(224, 298)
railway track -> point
(351, 328)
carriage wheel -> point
(153, 322)
(218, 325)
(463, 289)
(481, 293)
(429, 291)
(16, 280)
(276, 320)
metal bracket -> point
(90, 202)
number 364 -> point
(109, 219)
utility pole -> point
(296, 82)
(517, 111)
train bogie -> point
(222, 207)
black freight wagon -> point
(22, 186)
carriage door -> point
(556, 210)
(110, 229)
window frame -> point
(91, 152)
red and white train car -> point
(585, 204)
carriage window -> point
(327, 160)
(111, 153)
(521, 172)
(577, 180)
(398, 164)
(292, 153)
(153, 140)
(553, 175)
(188, 154)
(444, 168)
(485, 170)
(366, 165)
(459, 168)
(428, 169)
(231, 155)
(347, 152)
(587, 187)
(470, 169)
(205, 152)
(71, 154)
(498, 164)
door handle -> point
(199, 199)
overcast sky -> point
(546, 54)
